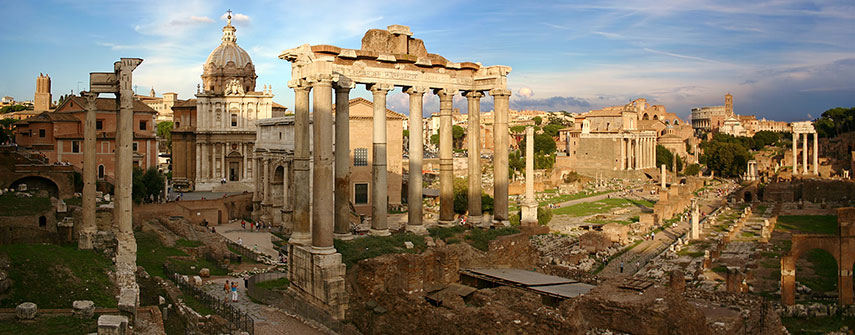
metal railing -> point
(237, 319)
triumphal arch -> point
(387, 59)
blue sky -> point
(784, 60)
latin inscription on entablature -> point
(400, 77)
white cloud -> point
(237, 18)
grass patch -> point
(186, 267)
(824, 268)
(445, 232)
(817, 325)
(694, 254)
(568, 197)
(480, 238)
(10, 205)
(196, 305)
(815, 224)
(600, 206)
(748, 234)
(54, 325)
(74, 202)
(719, 269)
(53, 276)
(761, 209)
(358, 249)
(278, 284)
(182, 243)
(152, 254)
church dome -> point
(228, 62)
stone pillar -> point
(815, 154)
(126, 253)
(804, 153)
(414, 183)
(446, 164)
(474, 139)
(622, 164)
(302, 234)
(90, 174)
(379, 173)
(322, 166)
(266, 181)
(637, 154)
(528, 215)
(662, 176)
(795, 153)
(342, 159)
(696, 230)
(501, 99)
(286, 182)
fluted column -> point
(446, 164)
(500, 155)
(379, 172)
(414, 183)
(815, 154)
(474, 140)
(342, 159)
(322, 167)
(90, 167)
(302, 234)
(266, 181)
(804, 154)
(795, 153)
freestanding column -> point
(815, 154)
(379, 186)
(662, 176)
(474, 138)
(622, 164)
(322, 167)
(302, 234)
(446, 177)
(90, 165)
(501, 98)
(342, 159)
(804, 154)
(266, 181)
(795, 152)
(528, 216)
(637, 154)
(414, 183)
(696, 231)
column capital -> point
(343, 84)
(379, 87)
(127, 64)
(299, 85)
(415, 90)
(445, 93)
(320, 79)
(90, 98)
(500, 92)
(471, 95)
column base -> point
(319, 279)
(528, 215)
(322, 250)
(446, 223)
(85, 240)
(504, 223)
(343, 237)
(300, 238)
(379, 232)
(417, 229)
(476, 220)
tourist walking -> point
(226, 289)
(621, 267)
(240, 241)
(234, 291)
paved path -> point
(233, 231)
(200, 195)
(268, 320)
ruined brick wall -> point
(213, 211)
(810, 190)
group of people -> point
(230, 289)
(255, 226)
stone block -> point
(205, 273)
(84, 309)
(112, 325)
(408, 244)
(197, 280)
(128, 303)
(26, 311)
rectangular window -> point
(135, 146)
(75, 146)
(360, 194)
(234, 120)
(99, 124)
(142, 125)
(360, 157)
(41, 133)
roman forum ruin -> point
(387, 59)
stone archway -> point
(748, 197)
(38, 183)
(645, 117)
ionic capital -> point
(91, 98)
(343, 84)
(320, 79)
(445, 93)
(471, 95)
(383, 88)
(500, 92)
(415, 90)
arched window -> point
(100, 171)
(234, 120)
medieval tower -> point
(728, 104)
(42, 99)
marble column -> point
(126, 253)
(501, 98)
(302, 234)
(815, 154)
(622, 162)
(662, 176)
(446, 177)
(379, 172)
(795, 153)
(198, 164)
(266, 180)
(414, 183)
(804, 153)
(637, 154)
(473, 136)
(90, 173)
(528, 215)
(342, 159)
(322, 167)
(695, 228)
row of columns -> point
(206, 161)
(330, 211)
(805, 153)
(637, 153)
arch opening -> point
(816, 275)
(38, 183)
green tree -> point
(543, 144)
(517, 129)
(836, 121)
(147, 184)
(406, 133)
(12, 109)
(537, 120)
(693, 169)
(552, 129)
(164, 130)
(544, 215)
(727, 159)
(434, 139)
(664, 156)
(6, 132)
(457, 135)
(764, 137)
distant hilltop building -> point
(42, 97)
(722, 119)
(163, 105)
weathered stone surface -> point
(594, 241)
(677, 281)
(26, 311)
(112, 325)
(205, 273)
(84, 309)
(197, 280)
